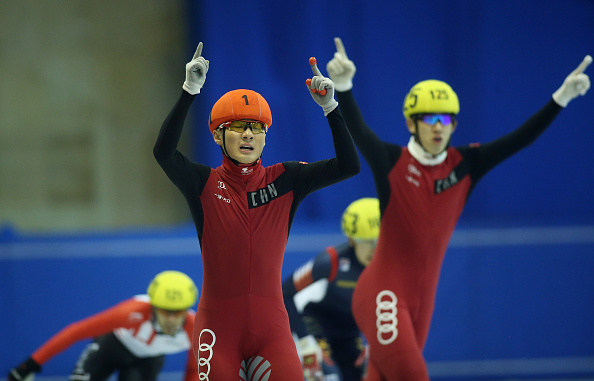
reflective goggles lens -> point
(242, 125)
(431, 119)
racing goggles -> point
(431, 119)
(242, 125)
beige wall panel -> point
(84, 88)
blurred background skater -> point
(318, 299)
(131, 338)
(422, 189)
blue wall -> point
(503, 58)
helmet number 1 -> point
(246, 99)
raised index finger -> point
(198, 51)
(314, 66)
(340, 46)
(583, 65)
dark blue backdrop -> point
(503, 58)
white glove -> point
(321, 89)
(196, 72)
(576, 83)
(340, 69)
(311, 358)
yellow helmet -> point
(172, 290)
(430, 97)
(361, 219)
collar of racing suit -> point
(239, 169)
(423, 156)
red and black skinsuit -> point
(420, 205)
(243, 215)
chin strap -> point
(224, 147)
(418, 152)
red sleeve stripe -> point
(303, 277)
(333, 262)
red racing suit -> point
(243, 215)
(420, 206)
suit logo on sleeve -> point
(344, 265)
(262, 196)
(452, 179)
(444, 184)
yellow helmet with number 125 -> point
(430, 97)
(172, 290)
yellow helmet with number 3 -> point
(361, 219)
(430, 97)
(172, 290)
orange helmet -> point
(239, 104)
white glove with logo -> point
(196, 72)
(340, 69)
(321, 89)
(311, 357)
(576, 83)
